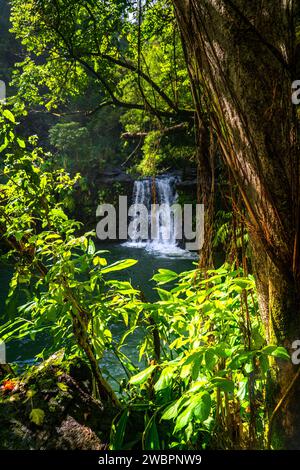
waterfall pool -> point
(23, 351)
(156, 223)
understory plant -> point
(206, 364)
(59, 270)
(209, 387)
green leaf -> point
(268, 349)
(118, 432)
(198, 407)
(223, 384)
(264, 364)
(249, 367)
(97, 261)
(243, 389)
(281, 353)
(119, 265)
(211, 359)
(184, 418)
(62, 386)
(171, 411)
(243, 283)
(4, 145)
(21, 143)
(164, 276)
(191, 365)
(202, 406)
(9, 115)
(164, 379)
(30, 394)
(276, 351)
(37, 416)
(164, 294)
(151, 437)
(91, 247)
(142, 376)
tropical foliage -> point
(150, 86)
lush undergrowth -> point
(208, 388)
(207, 362)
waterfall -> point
(160, 191)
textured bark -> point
(205, 189)
(243, 61)
(205, 157)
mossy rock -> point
(51, 406)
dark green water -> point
(24, 351)
(148, 263)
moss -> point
(62, 389)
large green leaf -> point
(164, 276)
(184, 418)
(151, 437)
(223, 384)
(281, 353)
(37, 416)
(172, 410)
(276, 351)
(119, 265)
(202, 406)
(164, 379)
(9, 115)
(198, 407)
(211, 358)
(142, 376)
(118, 431)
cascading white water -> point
(160, 191)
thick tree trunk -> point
(205, 157)
(243, 61)
(279, 304)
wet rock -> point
(51, 407)
(111, 175)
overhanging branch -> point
(167, 130)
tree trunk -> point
(205, 157)
(243, 63)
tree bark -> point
(205, 158)
(244, 61)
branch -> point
(133, 152)
(75, 113)
(130, 66)
(167, 130)
(183, 113)
(127, 64)
(176, 113)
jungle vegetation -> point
(154, 85)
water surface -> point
(24, 351)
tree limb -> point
(167, 130)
